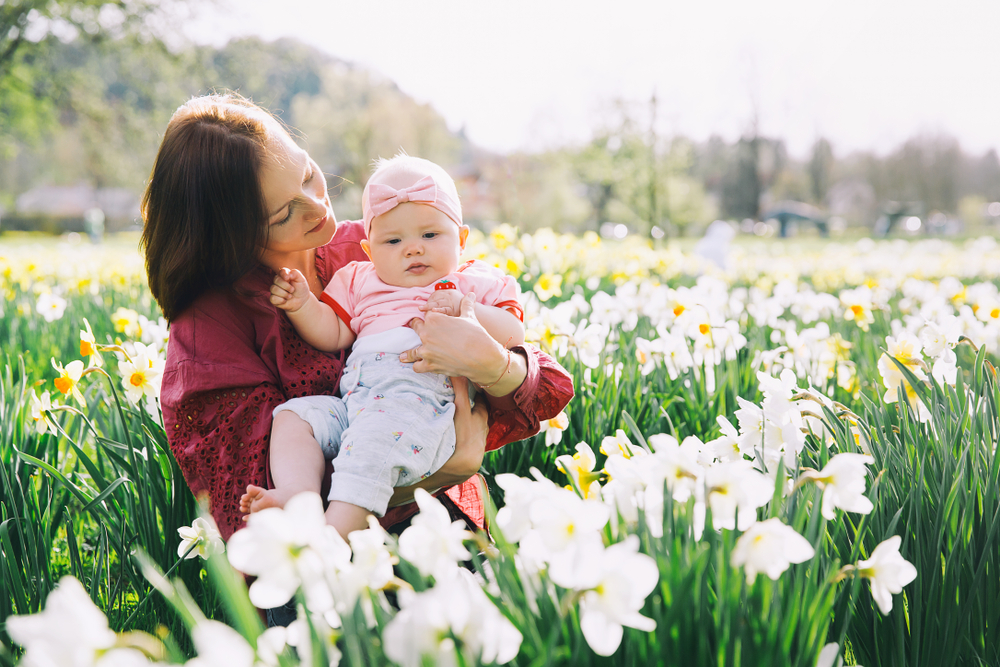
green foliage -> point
(938, 487)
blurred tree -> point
(272, 74)
(632, 176)
(30, 88)
(741, 183)
(820, 170)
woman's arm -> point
(523, 387)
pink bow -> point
(384, 198)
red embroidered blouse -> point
(233, 357)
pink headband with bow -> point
(383, 198)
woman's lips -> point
(322, 223)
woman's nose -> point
(317, 204)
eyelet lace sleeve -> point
(220, 440)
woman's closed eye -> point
(291, 205)
(285, 219)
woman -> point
(231, 200)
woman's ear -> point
(463, 235)
(367, 247)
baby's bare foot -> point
(258, 498)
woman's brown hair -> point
(204, 210)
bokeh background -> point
(646, 118)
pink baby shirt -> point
(369, 306)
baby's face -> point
(414, 245)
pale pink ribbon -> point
(383, 198)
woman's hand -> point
(460, 346)
(471, 427)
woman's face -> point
(300, 216)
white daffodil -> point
(142, 374)
(590, 340)
(905, 348)
(50, 306)
(566, 517)
(728, 446)
(620, 444)
(624, 489)
(40, 408)
(830, 656)
(88, 345)
(287, 549)
(372, 562)
(553, 428)
(200, 539)
(69, 377)
(433, 543)
(70, 632)
(422, 631)
(887, 571)
(579, 468)
(843, 482)
(734, 491)
(936, 337)
(676, 465)
(520, 493)
(219, 645)
(300, 633)
(769, 547)
(677, 356)
(625, 578)
(271, 643)
(858, 306)
(647, 353)
(945, 368)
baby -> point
(393, 426)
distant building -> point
(65, 208)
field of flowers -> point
(790, 460)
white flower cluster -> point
(293, 549)
(691, 327)
(560, 533)
(733, 476)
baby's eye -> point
(392, 241)
(430, 235)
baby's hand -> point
(290, 291)
(446, 301)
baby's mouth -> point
(417, 268)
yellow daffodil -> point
(548, 286)
(579, 468)
(126, 321)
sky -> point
(536, 74)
